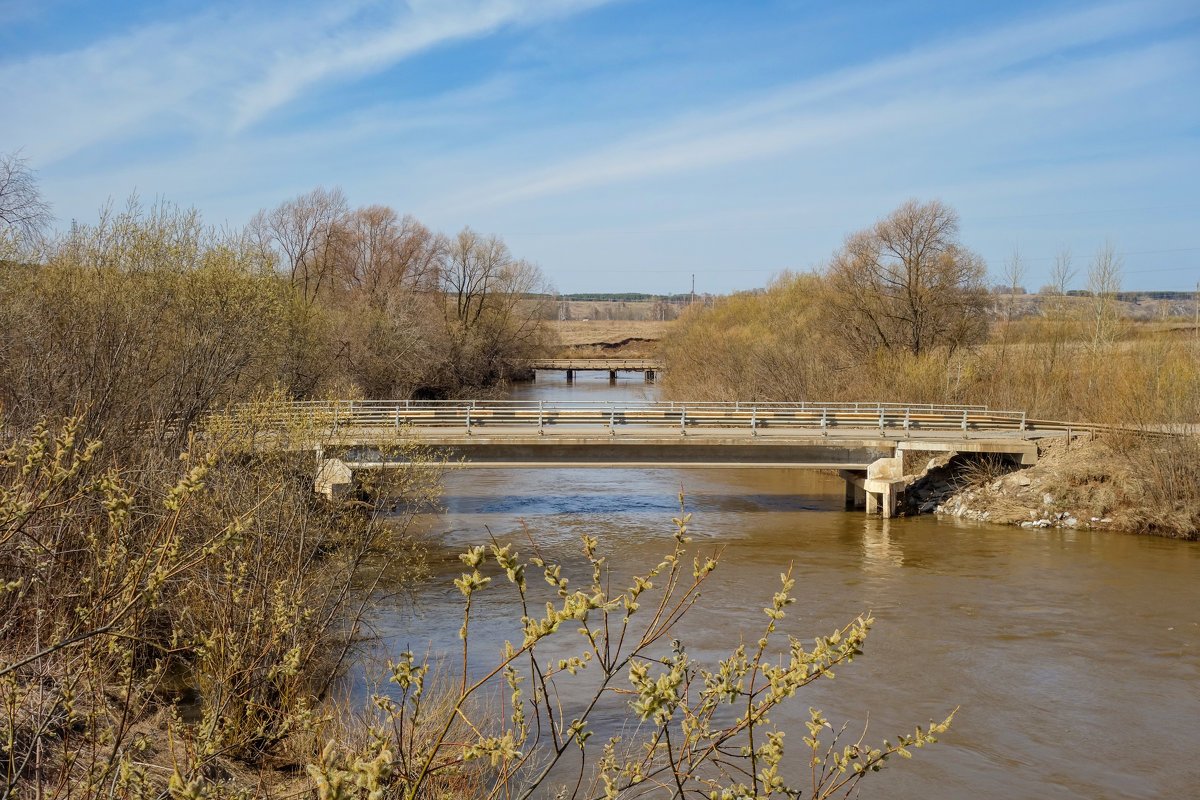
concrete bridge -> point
(648, 366)
(864, 442)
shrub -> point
(216, 579)
(696, 729)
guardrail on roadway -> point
(470, 415)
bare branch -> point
(21, 204)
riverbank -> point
(1125, 483)
(1004, 621)
(607, 338)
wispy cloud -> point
(955, 84)
(649, 135)
(366, 47)
(223, 70)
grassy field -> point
(574, 333)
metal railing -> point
(583, 364)
(471, 415)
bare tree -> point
(21, 204)
(1057, 311)
(385, 256)
(1014, 275)
(474, 265)
(305, 232)
(907, 284)
(1062, 273)
(1104, 282)
(519, 298)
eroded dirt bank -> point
(1136, 485)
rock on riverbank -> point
(1086, 484)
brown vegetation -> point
(167, 620)
(813, 337)
(175, 604)
(178, 605)
(628, 339)
(907, 284)
(1142, 484)
(573, 333)
(148, 318)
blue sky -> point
(627, 145)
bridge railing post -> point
(964, 423)
(824, 421)
(1023, 425)
(882, 432)
(541, 409)
(907, 430)
(468, 420)
(683, 419)
(754, 420)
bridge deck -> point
(599, 364)
(564, 433)
(667, 447)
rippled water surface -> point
(1074, 656)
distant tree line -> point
(627, 297)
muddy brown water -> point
(1074, 656)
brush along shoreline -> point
(1122, 483)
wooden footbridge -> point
(647, 366)
(863, 441)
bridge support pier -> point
(879, 489)
(882, 502)
(856, 496)
(334, 479)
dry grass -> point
(1143, 484)
(576, 332)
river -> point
(1074, 656)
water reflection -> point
(1074, 655)
(880, 553)
(553, 385)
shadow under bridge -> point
(863, 442)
